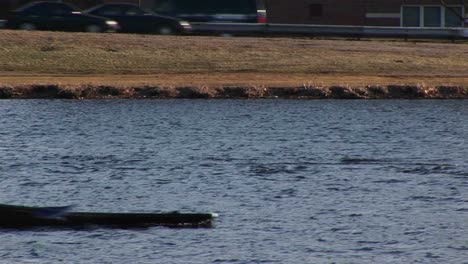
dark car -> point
(238, 11)
(57, 16)
(133, 19)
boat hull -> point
(12, 216)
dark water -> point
(293, 181)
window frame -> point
(443, 9)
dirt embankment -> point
(225, 92)
(84, 65)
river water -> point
(323, 181)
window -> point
(315, 10)
(109, 11)
(134, 11)
(454, 16)
(49, 9)
(411, 16)
(432, 16)
(60, 9)
(36, 10)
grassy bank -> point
(77, 61)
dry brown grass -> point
(126, 59)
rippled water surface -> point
(293, 181)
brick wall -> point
(345, 12)
(333, 11)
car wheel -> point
(165, 30)
(93, 28)
(27, 26)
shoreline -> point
(97, 91)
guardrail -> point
(326, 30)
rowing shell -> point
(12, 216)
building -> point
(404, 13)
(396, 13)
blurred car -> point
(57, 16)
(133, 19)
(227, 11)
